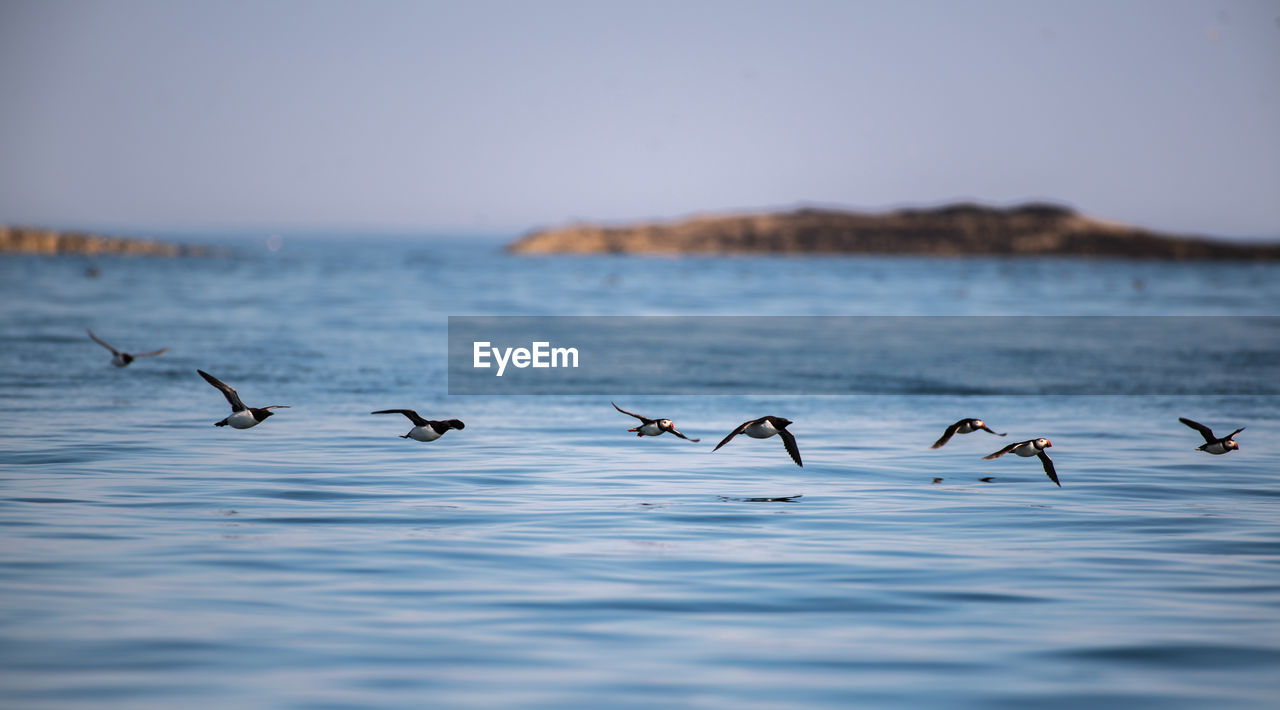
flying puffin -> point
(242, 417)
(763, 428)
(1212, 444)
(122, 359)
(424, 429)
(652, 427)
(964, 426)
(1033, 447)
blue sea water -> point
(545, 558)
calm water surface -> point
(544, 558)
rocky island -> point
(34, 240)
(1034, 229)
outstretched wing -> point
(946, 435)
(741, 427)
(101, 342)
(1003, 451)
(988, 429)
(682, 436)
(646, 420)
(1048, 467)
(789, 441)
(161, 351)
(1233, 434)
(412, 415)
(232, 397)
(1205, 431)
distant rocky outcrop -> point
(952, 230)
(34, 240)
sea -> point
(545, 557)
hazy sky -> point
(500, 116)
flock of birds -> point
(244, 417)
(765, 427)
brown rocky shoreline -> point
(1033, 229)
(36, 240)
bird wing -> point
(1205, 431)
(1233, 434)
(1003, 451)
(989, 429)
(946, 435)
(789, 441)
(682, 436)
(1048, 467)
(735, 432)
(646, 420)
(100, 341)
(227, 390)
(412, 415)
(161, 351)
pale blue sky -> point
(495, 117)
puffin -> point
(763, 428)
(1032, 447)
(964, 426)
(1212, 444)
(653, 427)
(122, 359)
(424, 429)
(242, 417)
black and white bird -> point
(1212, 444)
(242, 417)
(1033, 447)
(763, 428)
(424, 429)
(652, 427)
(964, 426)
(122, 359)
